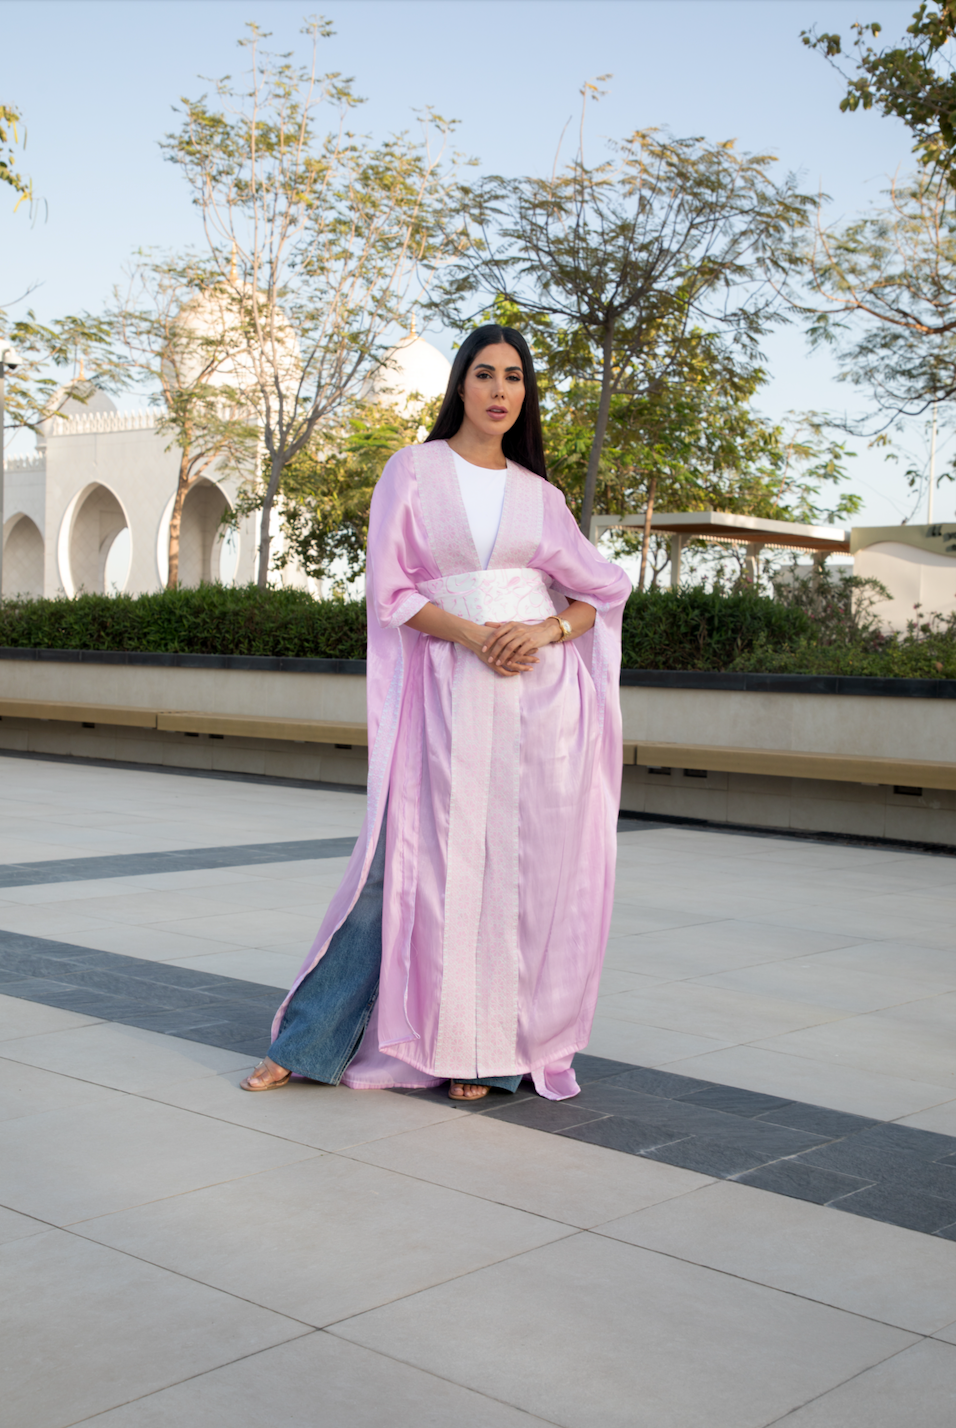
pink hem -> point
(372, 1069)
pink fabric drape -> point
(502, 793)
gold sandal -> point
(271, 1085)
(482, 1091)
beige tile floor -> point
(174, 1252)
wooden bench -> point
(714, 758)
(786, 763)
(313, 731)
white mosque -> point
(90, 509)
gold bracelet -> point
(566, 631)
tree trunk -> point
(600, 430)
(265, 534)
(645, 544)
(176, 523)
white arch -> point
(22, 555)
(64, 538)
(63, 545)
(229, 544)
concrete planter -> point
(899, 802)
(691, 742)
(189, 684)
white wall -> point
(912, 576)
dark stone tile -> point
(928, 1145)
(659, 1083)
(735, 1101)
(90, 1003)
(609, 1096)
(125, 865)
(675, 1119)
(719, 1158)
(538, 1114)
(819, 1119)
(596, 1068)
(874, 1162)
(13, 975)
(801, 1182)
(34, 989)
(94, 979)
(181, 1022)
(743, 1145)
(617, 1133)
(668, 1119)
(948, 1232)
(897, 1204)
(246, 992)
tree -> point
(885, 297)
(10, 120)
(630, 259)
(914, 81)
(327, 487)
(172, 324)
(692, 442)
(35, 391)
(887, 281)
(330, 238)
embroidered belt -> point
(480, 595)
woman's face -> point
(493, 389)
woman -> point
(466, 939)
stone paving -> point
(174, 1251)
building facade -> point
(90, 510)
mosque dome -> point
(92, 400)
(413, 372)
(87, 399)
(209, 319)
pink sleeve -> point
(578, 570)
(396, 547)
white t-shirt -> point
(483, 493)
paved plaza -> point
(746, 1218)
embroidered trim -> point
(443, 510)
(410, 606)
(473, 702)
(522, 520)
(498, 951)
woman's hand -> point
(509, 665)
(432, 620)
(513, 646)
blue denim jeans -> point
(326, 1018)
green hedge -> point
(687, 629)
(212, 619)
(694, 628)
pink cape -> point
(502, 794)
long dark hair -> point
(524, 442)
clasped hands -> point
(511, 649)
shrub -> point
(213, 619)
(694, 628)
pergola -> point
(724, 528)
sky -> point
(98, 82)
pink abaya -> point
(502, 793)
